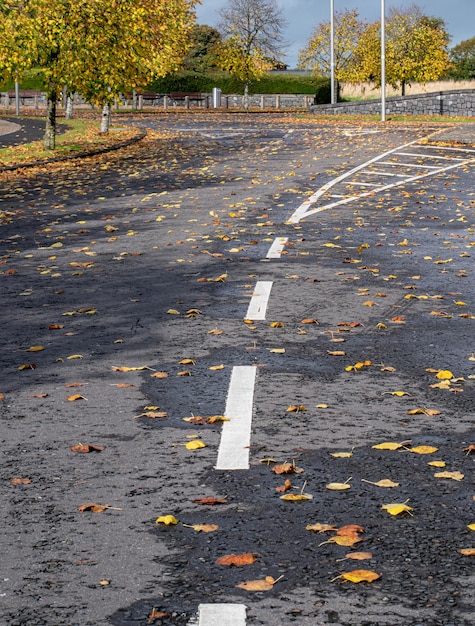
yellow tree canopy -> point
(416, 50)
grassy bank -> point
(81, 136)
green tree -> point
(203, 39)
(462, 58)
(252, 33)
(97, 47)
(348, 28)
(416, 50)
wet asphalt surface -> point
(94, 256)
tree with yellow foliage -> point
(316, 54)
(416, 50)
(99, 48)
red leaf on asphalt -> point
(210, 501)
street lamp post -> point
(332, 50)
(383, 62)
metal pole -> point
(383, 62)
(332, 50)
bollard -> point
(187, 102)
(277, 102)
(165, 103)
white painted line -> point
(233, 451)
(308, 207)
(222, 615)
(276, 249)
(354, 182)
(260, 298)
(378, 173)
(430, 156)
(417, 166)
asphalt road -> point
(126, 286)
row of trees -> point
(99, 48)
(249, 40)
(416, 48)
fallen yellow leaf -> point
(444, 375)
(423, 450)
(387, 445)
(397, 508)
(195, 445)
(360, 576)
(266, 584)
(168, 520)
(450, 475)
(384, 482)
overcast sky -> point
(304, 15)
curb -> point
(79, 155)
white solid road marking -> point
(233, 451)
(276, 249)
(222, 615)
(260, 298)
(308, 207)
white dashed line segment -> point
(276, 249)
(233, 451)
(222, 615)
(260, 298)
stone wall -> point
(447, 103)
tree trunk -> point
(403, 88)
(49, 140)
(69, 107)
(106, 118)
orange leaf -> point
(86, 448)
(285, 487)
(359, 556)
(360, 575)
(467, 551)
(265, 584)
(93, 508)
(238, 560)
(287, 468)
(76, 396)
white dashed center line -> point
(222, 615)
(258, 305)
(233, 451)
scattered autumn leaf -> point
(168, 520)
(202, 528)
(266, 584)
(385, 482)
(359, 556)
(397, 508)
(210, 501)
(450, 475)
(238, 560)
(320, 528)
(423, 449)
(20, 481)
(35, 349)
(285, 487)
(93, 507)
(287, 468)
(359, 576)
(294, 408)
(296, 497)
(444, 375)
(86, 448)
(75, 397)
(159, 375)
(195, 444)
(467, 551)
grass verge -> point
(81, 136)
